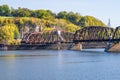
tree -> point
(43, 14)
(14, 12)
(62, 15)
(82, 22)
(8, 32)
(33, 13)
(23, 12)
(51, 13)
(5, 10)
(90, 21)
(73, 17)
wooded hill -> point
(15, 21)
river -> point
(89, 64)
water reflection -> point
(8, 66)
(60, 59)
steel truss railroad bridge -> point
(86, 34)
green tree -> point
(23, 12)
(82, 22)
(33, 13)
(43, 14)
(51, 13)
(73, 17)
(62, 15)
(5, 10)
(14, 12)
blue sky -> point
(101, 9)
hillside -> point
(17, 22)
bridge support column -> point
(76, 46)
(114, 47)
(59, 45)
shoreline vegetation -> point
(14, 22)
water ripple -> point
(81, 62)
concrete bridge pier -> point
(75, 46)
(114, 47)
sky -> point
(100, 9)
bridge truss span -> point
(116, 34)
(93, 34)
(47, 37)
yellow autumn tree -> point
(9, 33)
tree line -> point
(72, 17)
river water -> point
(91, 64)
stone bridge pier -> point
(114, 46)
(75, 46)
